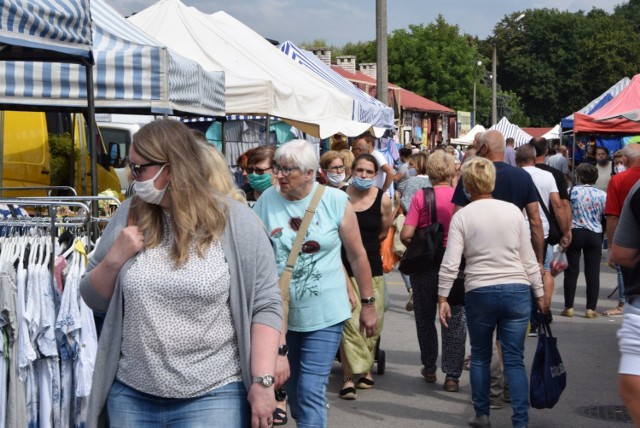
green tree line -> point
(550, 62)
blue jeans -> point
(507, 307)
(226, 406)
(311, 355)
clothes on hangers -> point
(48, 335)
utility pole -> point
(382, 73)
(475, 71)
(494, 92)
(494, 78)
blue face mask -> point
(362, 183)
(413, 172)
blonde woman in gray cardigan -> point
(187, 280)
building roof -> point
(536, 132)
(408, 100)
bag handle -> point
(287, 273)
(544, 206)
(545, 327)
(430, 201)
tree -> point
(435, 61)
(629, 11)
(558, 61)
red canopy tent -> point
(610, 118)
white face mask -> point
(619, 168)
(146, 191)
(335, 179)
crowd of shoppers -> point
(197, 329)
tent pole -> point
(573, 161)
(91, 125)
(1, 150)
(266, 131)
(222, 139)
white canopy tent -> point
(509, 130)
(469, 136)
(553, 133)
(259, 79)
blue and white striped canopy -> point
(366, 108)
(510, 130)
(56, 25)
(133, 73)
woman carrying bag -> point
(318, 303)
(440, 167)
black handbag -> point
(555, 234)
(427, 245)
(548, 375)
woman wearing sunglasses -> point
(260, 171)
(193, 311)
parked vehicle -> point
(50, 149)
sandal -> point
(365, 383)
(280, 417)
(348, 393)
(615, 312)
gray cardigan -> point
(254, 296)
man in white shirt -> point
(365, 143)
(548, 192)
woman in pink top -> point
(441, 169)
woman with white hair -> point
(318, 304)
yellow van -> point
(50, 149)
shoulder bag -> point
(555, 234)
(389, 257)
(427, 245)
(287, 273)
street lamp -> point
(473, 118)
(494, 61)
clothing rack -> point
(51, 222)
(48, 189)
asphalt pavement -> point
(402, 399)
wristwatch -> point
(370, 301)
(266, 380)
(283, 350)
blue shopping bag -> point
(548, 375)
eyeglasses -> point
(336, 168)
(136, 167)
(256, 170)
(285, 170)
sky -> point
(341, 21)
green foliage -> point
(558, 61)
(550, 63)
(62, 159)
(510, 106)
(629, 11)
(364, 51)
(435, 61)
